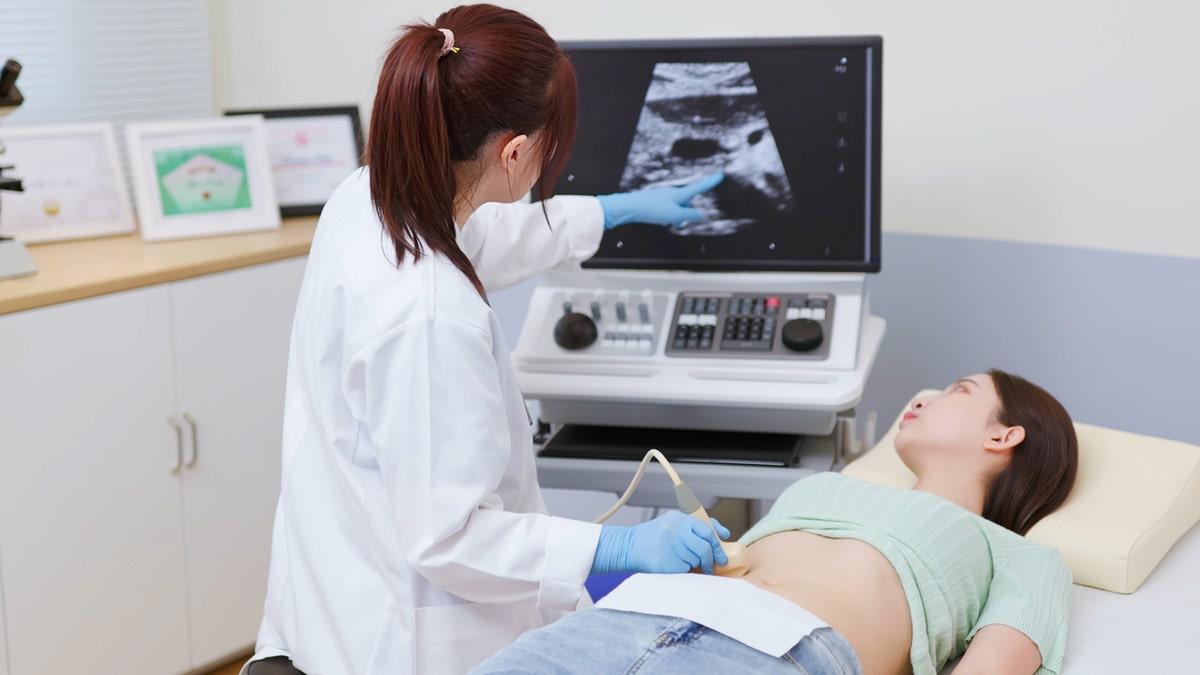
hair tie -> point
(448, 43)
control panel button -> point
(802, 335)
(574, 330)
(746, 345)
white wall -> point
(1065, 122)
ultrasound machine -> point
(738, 344)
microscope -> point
(15, 260)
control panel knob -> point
(802, 335)
(575, 331)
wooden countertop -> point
(73, 270)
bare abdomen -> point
(848, 584)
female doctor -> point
(410, 534)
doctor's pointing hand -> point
(411, 535)
(658, 206)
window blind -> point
(112, 61)
(108, 60)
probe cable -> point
(689, 504)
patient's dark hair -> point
(1042, 471)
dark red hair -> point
(433, 110)
(1042, 471)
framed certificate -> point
(202, 177)
(312, 151)
(73, 186)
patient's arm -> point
(999, 649)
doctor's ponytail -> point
(445, 90)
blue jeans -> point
(606, 641)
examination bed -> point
(1153, 630)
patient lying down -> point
(850, 577)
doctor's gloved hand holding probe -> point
(731, 561)
(411, 534)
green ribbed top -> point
(960, 571)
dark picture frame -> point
(312, 150)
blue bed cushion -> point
(600, 585)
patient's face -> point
(959, 419)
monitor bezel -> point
(874, 45)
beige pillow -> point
(1134, 496)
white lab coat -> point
(411, 535)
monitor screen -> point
(794, 125)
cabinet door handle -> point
(191, 421)
(178, 443)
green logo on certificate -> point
(202, 180)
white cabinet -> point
(90, 527)
(3, 632)
(110, 561)
(231, 346)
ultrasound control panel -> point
(702, 324)
(755, 325)
(606, 322)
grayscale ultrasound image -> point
(700, 118)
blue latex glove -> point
(671, 543)
(659, 206)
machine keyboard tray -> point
(678, 445)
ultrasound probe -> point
(689, 504)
